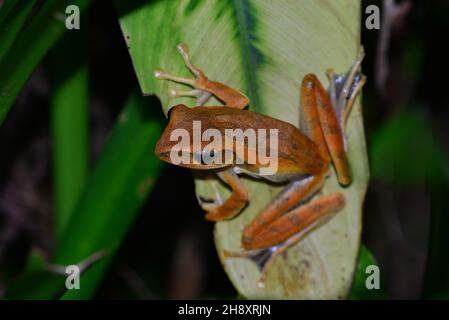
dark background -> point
(172, 254)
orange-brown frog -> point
(304, 155)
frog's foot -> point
(196, 83)
(184, 52)
(344, 88)
(202, 95)
(262, 258)
(199, 75)
(161, 74)
(203, 87)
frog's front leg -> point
(203, 87)
(233, 204)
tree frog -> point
(305, 155)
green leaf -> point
(30, 47)
(263, 48)
(12, 18)
(359, 290)
(116, 189)
(41, 280)
(69, 112)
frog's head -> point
(182, 142)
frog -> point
(306, 154)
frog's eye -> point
(208, 155)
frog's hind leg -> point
(288, 230)
(231, 97)
(345, 87)
(298, 220)
(296, 193)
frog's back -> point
(296, 153)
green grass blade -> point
(6, 7)
(12, 22)
(30, 47)
(263, 48)
(35, 281)
(41, 280)
(69, 112)
(117, 187)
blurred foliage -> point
(69, 113)
(115, 190)
(13, 15)
(404, 150)
(29, 46)
(117, 187)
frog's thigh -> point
(320, 122)
(236, 201)
(333, 135)
(299, 221)
(292, 195)
(309, 121)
